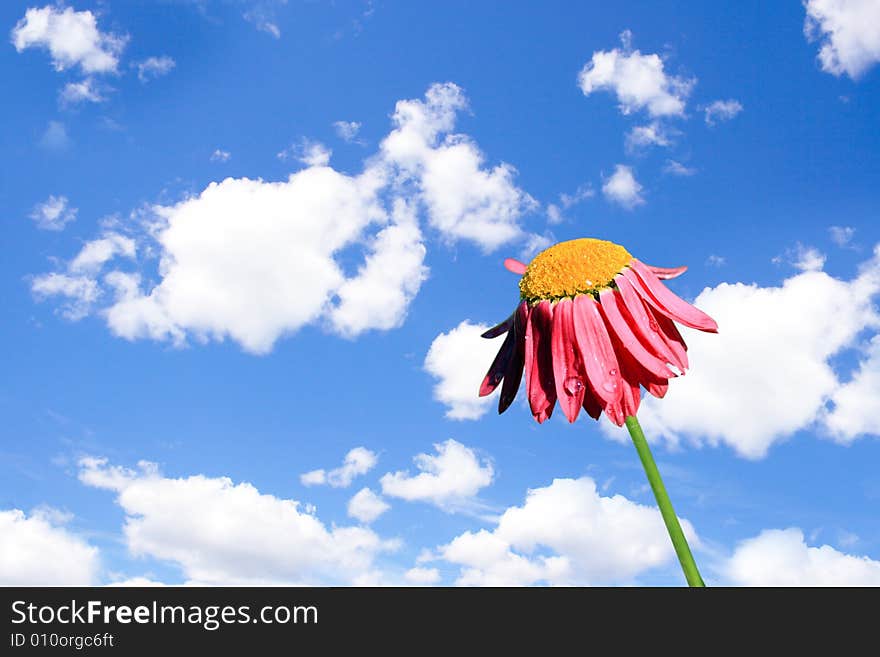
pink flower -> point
(594, 326)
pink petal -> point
(499, 366)
(514, 373)
(498, 329)
(614, 412)
(618, 326)
(669, 332)
(515, 266)
(632, 397)
(539, 363)
(664, 300)
(643, 324)
(659, 390)
(667, 272)
(597, 353)
(636, 374)
(591, 405)
(571, 384)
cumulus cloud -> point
(366, 506)
(643, 136)
(459, 359)
(802, 257)
(856, 403)
(359, 461)
(639, 81)
(347, 130)
(464, 199)
(675, 168)
(37, 550)
(220, 532)
(55, 137)
(721, 110)
(309, 153)
(564, 534)
(422, 576)
(849, 34)
(71, 37)
(77, 286)
(768, 373)
(154, 67)
(450, 479)
(54, 213)
(622, 188)
(842, 235)
(254, 260)
(220, 155)
(78, 293)
(566, 201)
(378, 296)
(96, 253)
(781, 557)
(75, 93)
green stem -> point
(679, 542)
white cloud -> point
(639, 81)
(366, 506)
(55, 137)
(71, 37)
(623, 188)
(36, 550)
(309, 153)
(781, 557)
(422, 576)
(651, 134)
(79, 293)
(567, 201)
(849, 31)
(804, 258)
(347, 130)
(767, 373)
(534, 245)
(464, 200)
(449, 480)
(262, 13)
(459, 359)
(809, 259)
(565, 534)
(74, 93)
(54, 213)
(254, 260)
(675, 168)
(841, 235)
(716, 260)
(154, 67)
(78, 286)
(378, 296)
(721, 110)
(96, 253)
(220, 532)
(359, 461)
(856, 403)
(220, 155)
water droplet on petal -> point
(610, 386)
(573, 385)
(612, 372)
(653, 324)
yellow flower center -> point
(570, 268)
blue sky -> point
(246, 238)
